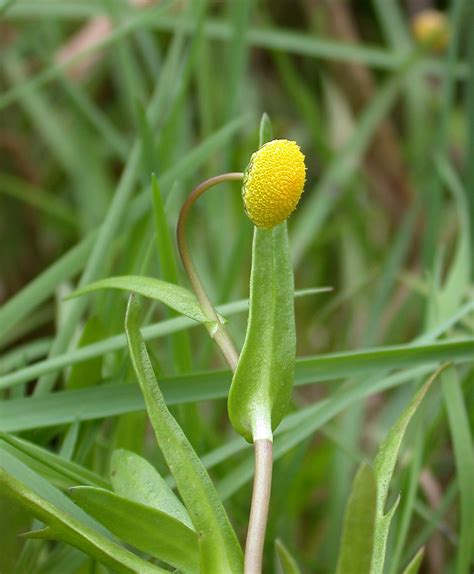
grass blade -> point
(359, 524)
(287, 562)
(384, 468)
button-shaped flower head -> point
(431, 29)
(273, 182)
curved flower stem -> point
(262, 484)
(215, 327)
(263, 447)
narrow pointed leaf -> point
(359, 524)
(287, 562)
(88, 373)
(384, 468)
(71, 472)
(219, 547)
(415, 562)
(143, 527)
(176, 297)
(136, 479)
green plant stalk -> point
(216, 328)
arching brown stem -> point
(215, 327)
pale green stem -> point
(262, 484)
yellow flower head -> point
(430, 28)
(273, 182)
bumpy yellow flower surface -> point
(430, 28)
(273, 182)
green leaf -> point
(176, 297)
(457, 282)
(117, 342)
(384, 467)
(69, 473)
(220, 549)
(415, 563)
(136, 479)
(65, 520)
(115, 399)
(261, 387)
(144, 527)
(265, 135)
(88, 373)
(287, 562)
(359, 524)
(457, 409)
(260, 393)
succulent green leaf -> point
(287, 562)
(219, 548)
(135, 478)
(359, 524)
(65, 521)
(144, 527)
(260, 393)
(384, 468)
(178, 298)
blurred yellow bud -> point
(273, 182)
(430, 28)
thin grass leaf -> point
(109, 400)
(287, 562)
(384, 468)
(322, 199)
(144, 527)
(118, 342)
(460, 430)
(408, 502)
(414, 566)
(457, 281)
(180, 347)
(178, 298)
(115, 216)
(88, 373)
(359, 524)
(219, 548)
(72, 472)
(41, 288)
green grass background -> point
(177, 90)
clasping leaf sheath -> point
(261, 388)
